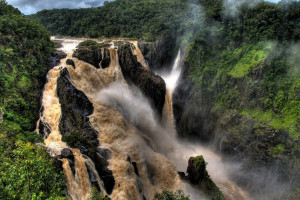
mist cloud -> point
(33, 6)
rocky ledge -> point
(93, 53)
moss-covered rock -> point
(198, 176)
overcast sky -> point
(32, 6)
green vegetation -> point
(75, 140)
(247, 66)
(198, 176)
(249, 63)
(96, 195)
(26, 170)
(169, 195)
(93, 44)
(143, 19)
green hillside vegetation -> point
(26, 171)
(247, 65)
(271, 49)
(141, 19)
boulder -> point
(70, 62)
(67, 153)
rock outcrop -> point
(199, 178)
(152, 86)
(93, 53)
(56, 56)
(76, 129)
(158, 54)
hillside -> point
(244, 71)
(26, 171)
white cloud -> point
(33, 6)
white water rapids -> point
(128, 127)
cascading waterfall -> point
(171, 80)
(139, 55)
(78, 184)
(145, 156)
(126, 143)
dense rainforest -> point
(26, 170)
(239, 90)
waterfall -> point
(145, 156)
(78, 184)
(140, 57)
(171, 79)
(129, 146)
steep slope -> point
(242, 94)
(26, 171)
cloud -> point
(33, 6)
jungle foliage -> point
(26, 170)
(141, 19)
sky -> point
(32, 6)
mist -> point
(137, 110)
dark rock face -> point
(198, 176)
(158, 54)
(56, 56)
(91, 55)
(151, 85)
(67, 153)
(70, 62)
(76, 129)
(75, 110)
(106, 58)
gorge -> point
(173, 99)
(144, 155)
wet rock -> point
(106, 58)
(158, 54)
(67, 153)
(105, 174)
(76, 128)
(198, 176)
(44, 129)
(182, 175)
(75, 111)
(70, 62)
(56, 56)
(59, 54)
(151, 85)
(90, 52)
(105, 153)
(136, 171)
